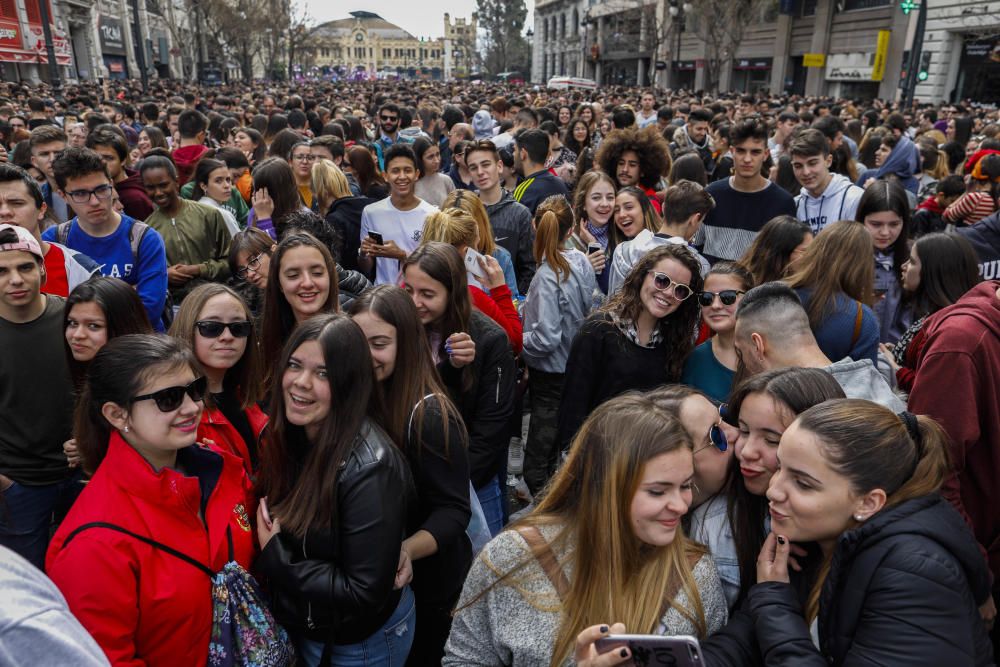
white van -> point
(571, 82)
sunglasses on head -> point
(213, 329)
(663, 282)
(171, 398)
(727, 297)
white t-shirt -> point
(403, 227)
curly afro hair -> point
(652, 149)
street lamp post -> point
(140, 46)
(678, 12)
(50, 47)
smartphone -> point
(472, 263)
(652, 650)
(376, 237)
(591, 249)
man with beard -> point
(635, 157)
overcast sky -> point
(421, 18)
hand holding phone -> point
(678, 651)
(472, 265)
(376, 237)
(595, 253)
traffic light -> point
(925, 65)
(907, 6)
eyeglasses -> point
(252, 265)
(727, 297)
(716, 436)
(169, 399)
(102, 192)
(663, 282)
(309, 157)
(213, 329)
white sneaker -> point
(515, 457)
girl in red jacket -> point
(216, 322)
(136, 423)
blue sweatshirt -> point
(114, 255)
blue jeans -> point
(386, 647)
(491, 499)
(26, 516)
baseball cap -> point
(25, 242)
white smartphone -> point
(472, 258)
(652, 650)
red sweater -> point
(958, 383)
(143, 606)
(499, 306)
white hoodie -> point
(838, 202)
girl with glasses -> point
(734, 521)
(639, 340)
(250, 263)
(712, 365)
(219, 327)
(154, 489)
(335, 492)
(301, 159)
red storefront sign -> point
(34, 40)
(11, 46)
(30, 47)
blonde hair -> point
(553, 222)
(615, 574)
(452, 226)
(328, 182)
(473, 205)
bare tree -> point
(721, 25)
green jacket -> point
(196, 235)
(235, 204)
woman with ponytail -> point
(605, 543)
(560, 297)
(901, 577)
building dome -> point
(371, 22)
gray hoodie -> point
(628, 254)
(511, 224)
(554, 311)
(838, 202)
(860, 379)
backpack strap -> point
(62, 232)
(135, 236)
(546, 559)
(153, 543)
(857, 326)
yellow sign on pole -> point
(814, 60)
(881, 54)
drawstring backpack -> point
(244, 632)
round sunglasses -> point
(171, 398)
(716, 438)
(663, 282)
(213, 329)
(727, 297)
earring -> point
(857, 517)
(125, 430)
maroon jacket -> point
(186, 158)
(958, 384)
(133, 195)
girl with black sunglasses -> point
(216, 322)
(639, 340)
(712, 365)
(154, 491)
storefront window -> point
(849, 5)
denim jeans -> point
(26, 516)
(386, 647)
(491, 499)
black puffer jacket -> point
(487, 405)
(345, 216)
(336, 585)
(350, 285)
(903, 589)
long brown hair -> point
(872, 447)
(364, 168)
(770, 253)
(245, 375)
(299, 477)
(553, 222)
(415, 375)
(279, 320)
(678, 327)
(836, 262)
(615, 574)
(277, 177)
(583, 187)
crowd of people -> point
(289, 337)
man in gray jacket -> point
(772, 331)
(510, 220)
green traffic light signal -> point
(907, 6)
(922, 75)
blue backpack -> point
(244, 632)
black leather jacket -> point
(336, 585)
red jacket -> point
(186, 158)
(142, 605)
(499, 306)
(958, 383)
(216, 429)
(132, 192)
